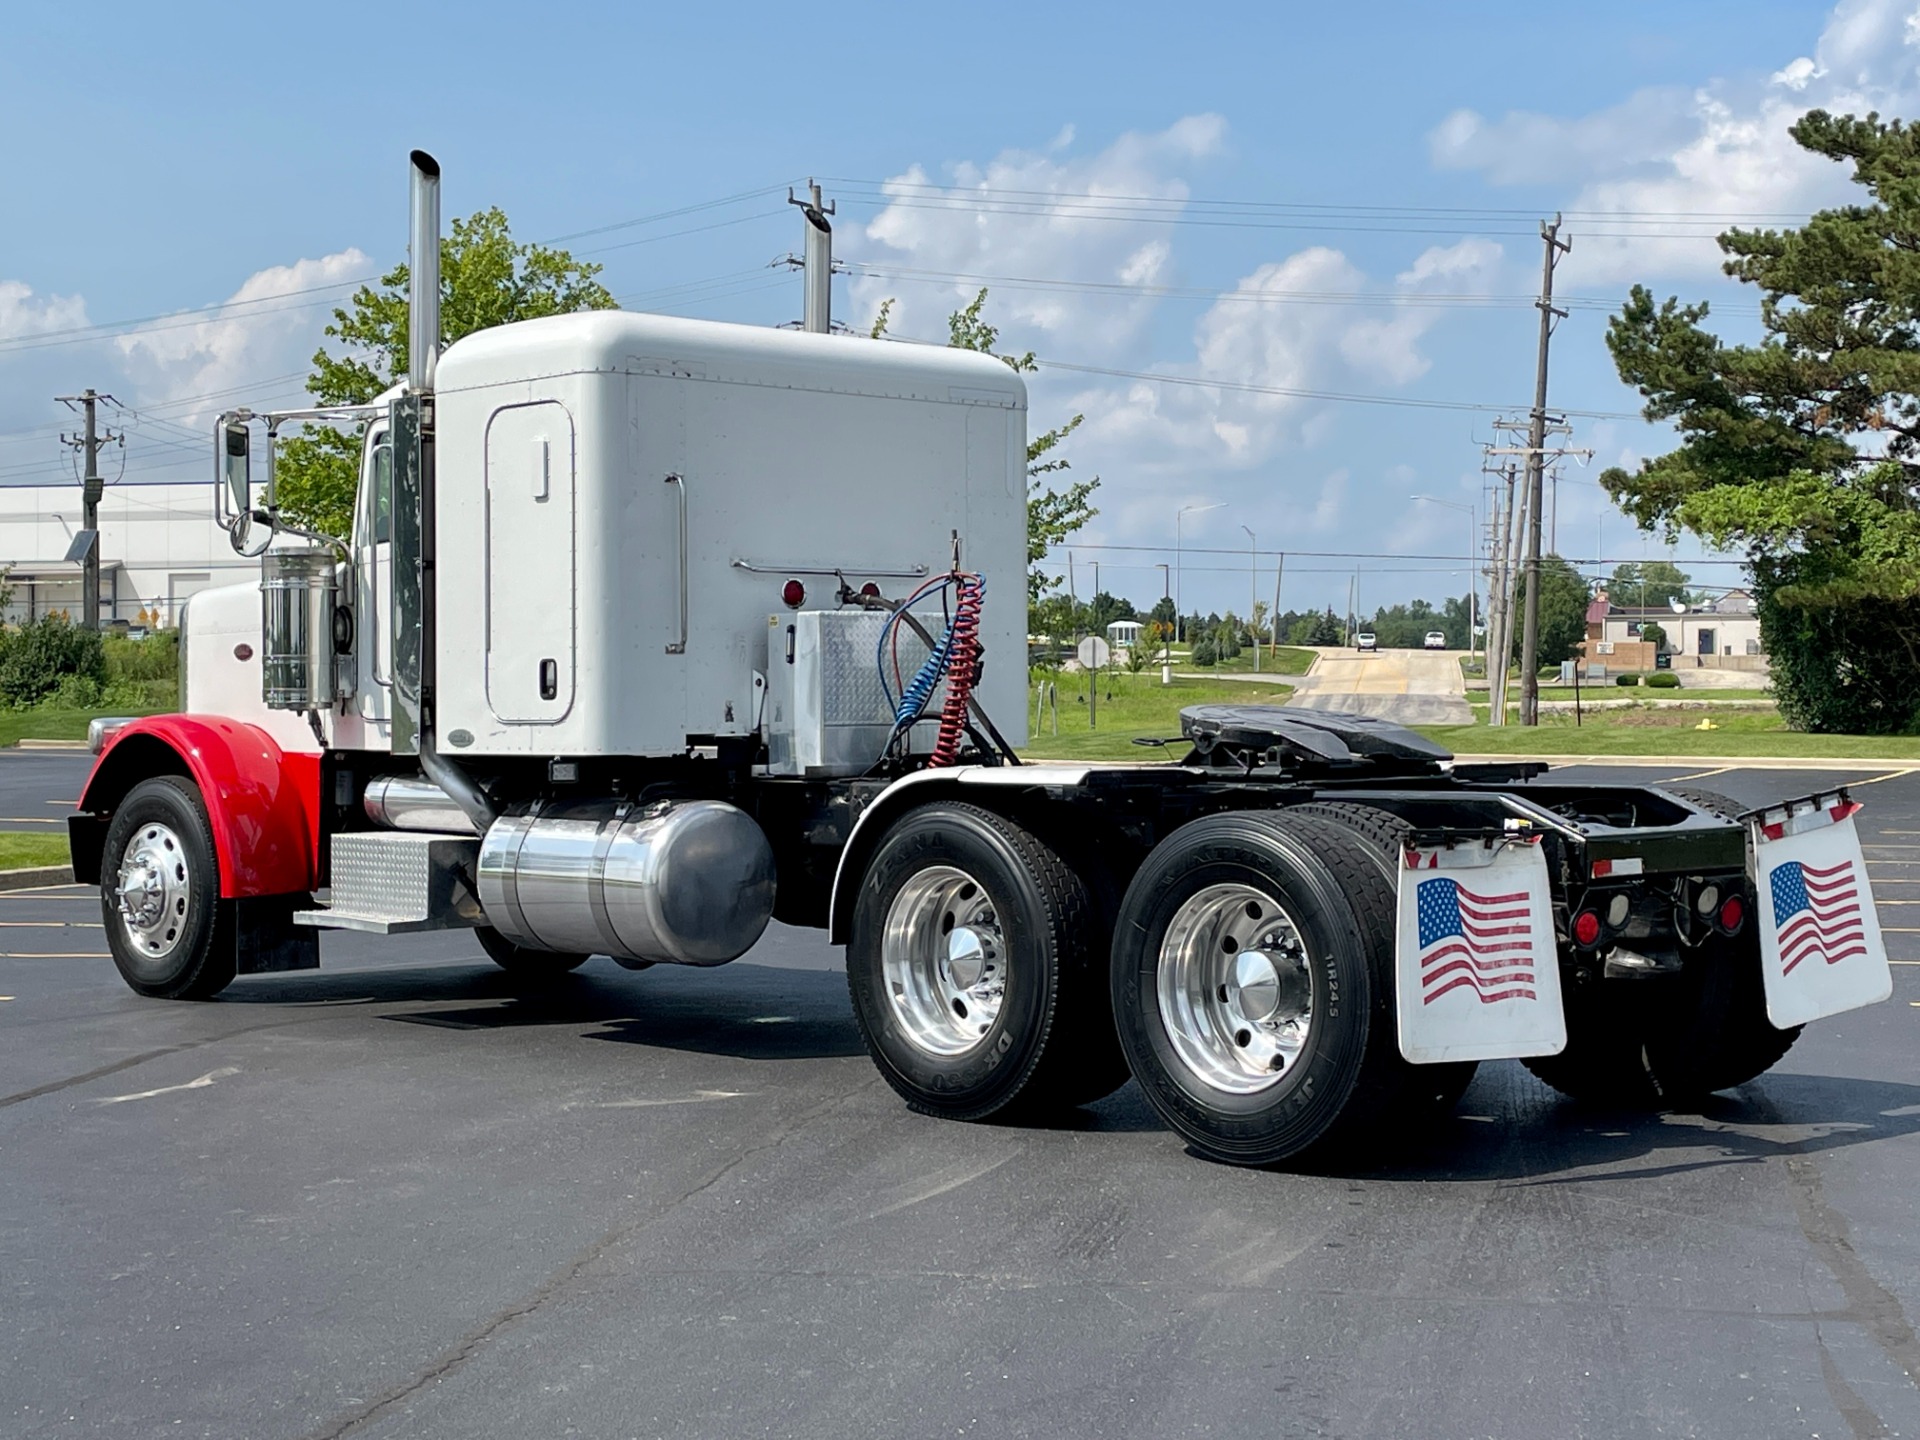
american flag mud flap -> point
(1477, 969)
(1820, 944)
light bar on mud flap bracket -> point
(1797, 817)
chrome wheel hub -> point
(1235, 986)
(153, 890)
(943, 959)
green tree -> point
(486, 279)
(1652, 583)
(1053, 516)
(1163, 611)
(1325, 630)
(1104, 609)
(1654, 634)
(1801, 448)
(1563, 609)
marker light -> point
(794, 593)
(1586, 929)
(870, 591)
(1707, 899)
(1618, 909)
(1733, 914)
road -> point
(1409, 687)
(397, 1198)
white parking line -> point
(1702, 775)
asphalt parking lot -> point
(395, 1197)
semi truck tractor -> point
(651, 631)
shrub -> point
(36, 658)
(1626, 679)
(1205, 653)
(157, 657)
(1663, 680)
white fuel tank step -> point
(391, 882)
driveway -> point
(1408, 687)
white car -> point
(1364, 641)
(1436, 640)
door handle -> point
(680, 489)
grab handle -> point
(680, 488)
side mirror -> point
(236, 467)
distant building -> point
(1722, 633)
(1124, 634)
(158, 545)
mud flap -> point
(1476, 964)
(1820, 946)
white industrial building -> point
(158, 545)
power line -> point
(1296, 393)
(891, 186)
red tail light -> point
(794, 593)
(1733, 914)
(1586, 929)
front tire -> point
(977, 971)
(170, 935)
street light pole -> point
(1253, 592)
(1473, 581)
(1178, 516)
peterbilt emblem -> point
(243, 651)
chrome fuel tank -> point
(681, 882)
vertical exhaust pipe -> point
(423, 275)
(818, 266)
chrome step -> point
(392, 882)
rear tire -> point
(1648, 1043)
(170, 934)
(524, 961)
(1253, 986)
(1431, 1091)
(975, 965)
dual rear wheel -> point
(1244, 980)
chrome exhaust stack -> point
(423, 274)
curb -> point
(36, 875)
(1708, 762)
(50, 745)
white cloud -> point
(1262, 334)
(1024, 214)
(1722, 151)
(23, 313)
(255, 341)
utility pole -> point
(87, 542)
(1278, 574)
(1253, 593)
(1554, 248)
(816, 261)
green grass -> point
(43, 723)
(1653, 732)
(18, 852)
(1141, 706)
(1289, 660)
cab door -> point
(530, 563)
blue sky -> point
(1366, 180)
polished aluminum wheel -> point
(154, 891)
(1235, 985)
(943, 959)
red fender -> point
(263, 802)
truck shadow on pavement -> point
(752, 1013)
(1509, 1128)
(1512, 1129)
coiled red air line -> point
(963, 664)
